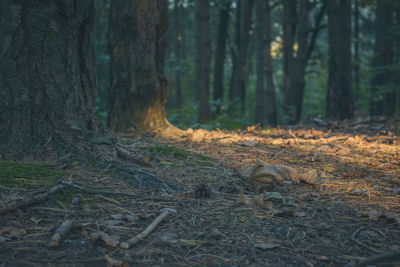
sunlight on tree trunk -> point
(138, 88)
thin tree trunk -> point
(177, 43)
(138, 86)
(289, 30)
(260, 52)
(203, 58)
(237, 88)
(271, 102)
(47, 75)
(339, 96)
(356, 60)
(380, 97)
(218, 86)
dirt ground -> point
(343, 207)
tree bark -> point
(271, 103)
(218, 86)
(138, 88)
(382, 101)
(356, 59)
(289, 30)
(238, 89)
(261, 46)
(339, 96)
(177, 43)
(203, 58)
(47, 74)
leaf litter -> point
(281, 197)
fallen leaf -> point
(311, 177)
(244, 200)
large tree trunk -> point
(271, 103)
(339, 96)
(382, 98)
(218, 86)
(138, 88)
(261, 51)
(237, 90)
(203, 58)
(177, 44)
(47, 73)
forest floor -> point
(340, 206)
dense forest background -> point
(221, 75)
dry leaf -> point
(264, 177)
(244, 200)
(311, 177)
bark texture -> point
(47, 73)
(138, 88)
(238, 88)
(271, 103)
(218, 83)
(339, 97)
(289, 30)
(261, 51)
(382, 101)
(178, 56)
(203, 58)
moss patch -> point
(172, 152)
(28, 175)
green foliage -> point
(28, 175)
(169, 151)
(186, 117)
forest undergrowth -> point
(182, 198)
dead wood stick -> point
(60, 233)
(118, 193)
(114, 263)
(148, 230)
(125, 154)
(376, 259)
(30, 200)
(63, 230)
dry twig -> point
(148, 230)
(30, 199)
(63, 230)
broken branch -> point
(148, 230)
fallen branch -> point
(376, 259)
(30, 200)
(148, 230)
(125, 154)
(117, 193)
(63, 230)
(114, 263)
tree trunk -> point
(356, 60)
(339, 96)
(271, 103)
(203, 58)
(47, 78)
(237, 89)
(138, 86)
(289, 30)
(383, 98)
(261, 51)
(218, 86)
(177, 43)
